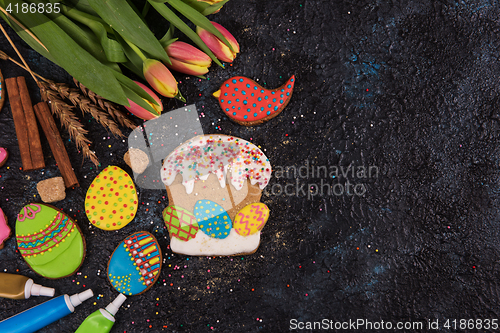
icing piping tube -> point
(39, 316)
(102, 320)
(21, 287)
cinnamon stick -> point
(19, 123)
(36, 152)
(56, 144)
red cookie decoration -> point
(247, 103)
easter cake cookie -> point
(247, 103)
(49, 241)
(135, 264)
(111, 201)
(4, 229)
(214, 185)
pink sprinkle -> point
(208, 287)
(208, 271)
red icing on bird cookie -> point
(247, 103)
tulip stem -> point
(136, 49)
(145, 9)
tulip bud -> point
(215, 45)
(187, 59)
(160, 78)
(141, 112)
(211, 2)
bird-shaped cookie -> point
(247, 103)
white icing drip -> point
(217, 154)
(205, 177)
(221, 176)
(189, 185)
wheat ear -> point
(110, 107)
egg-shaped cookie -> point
(135, 264)
(180, 223)
(251, 219)
(212, 219)
(49, 241)
(111, 201)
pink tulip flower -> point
(215, 45)
(187, 59)
(141, 112)
(160, 78)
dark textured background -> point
(408, 86)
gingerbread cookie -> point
(135, 264)
(4, 229)
(50, 242)
(4, 154)
(210, 179)
(111, 201)
(247, 103)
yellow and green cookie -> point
(49, 241)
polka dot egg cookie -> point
(212, 219)
(111, 201)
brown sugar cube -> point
(52, 189)
(136, 159)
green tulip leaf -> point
(168, 36)
(134, 62)
(81, 5)
(82, 35)
(111, 47)
(124, 20)
(200, 6)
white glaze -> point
(217, 154)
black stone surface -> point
(408, 87)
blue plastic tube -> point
(43, 314)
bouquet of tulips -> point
(94, 39)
